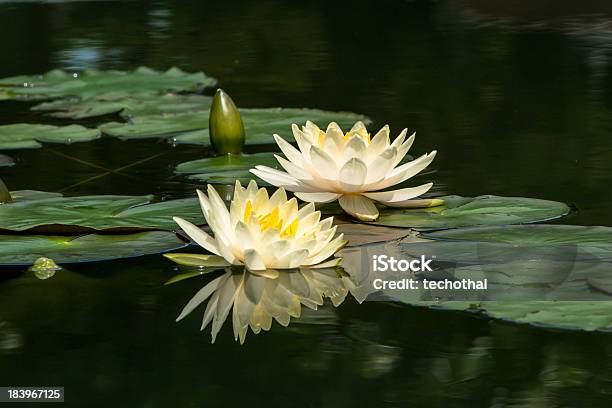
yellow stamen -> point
(270, 220)
(290, 230)
(248, 210)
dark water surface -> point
(516, 99)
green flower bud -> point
(5, 195)
(225, 125)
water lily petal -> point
(200, 237)
(293, 169)
(352, 175)
(359, 207)
(403, 172)
(403, 194)
(324, 164)
(319, 197)
(381, 165)
(253, 260)
(328, 264)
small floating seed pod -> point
(5, 195)
(225, 125)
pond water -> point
(516, 100)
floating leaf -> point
(27, 195)
(363, 234)
(226, 169)
(259, 124)
(20, 250)
(87, 213)
(198, 260)
(6, 161)
(532, 235)
(477, 211)
(127, 106)
(92, 83)
(28, 136)
(528, 278)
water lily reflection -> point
(255, 299)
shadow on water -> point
(516, 100)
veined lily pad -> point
(226, 169)
(6, 161)
(28, 136)
(95, 213)
(476, 211)
(260, 124)
(23, 250)
(92, 83)
(128, 106)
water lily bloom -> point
(262, 232)
(351, 168)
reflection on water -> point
(256, 298)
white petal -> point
(355, 148)
(402, 150)
(359, 206)
(302, 140)
(293, 169)
(253, 260)
(200, 237)
(357, 126)
(379, 143)
(321, 197)
(402, 173)
(324, 164)
(381, 165)
(328, 264)
(275, 177)
(352, 175)
(331, 248)
(400, 138)
(399, 195)
(292, 154)
(243, 236)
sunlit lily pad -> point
(127, 106)
(6, 161)
(363, 234)
(23, 250)
(28, 136)
(226, 169)
(478, 211)
(92, 83)
(260, 124)
(95, 213)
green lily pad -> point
(226, 169)
(92, 83)
(260, 124)
(545, 280)
(6, 161)
(28, 136)
(478, 211)
(95, 213)
(20, 250)
(128, 106)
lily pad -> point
(92, 83)
(95, 213)
(6, 161)
(226, 169)
(260, 124)
(28, 136)
(477, 211)
(363, 234)
(20, 250)
(551, 283)
(128, 106)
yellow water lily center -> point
(350, 167)
(261, 232)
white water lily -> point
(350, 168)
(262, 232)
